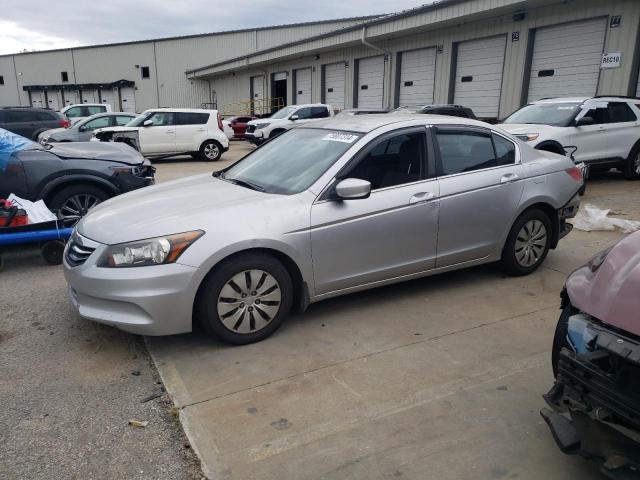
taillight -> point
(220, 126)
(65, 123)
(575, 173)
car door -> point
(12, 176)
(590, 139)
(391, 233)
(480, 190)
(159, 138)
(85, 131)
(623, 129)
(191, 130)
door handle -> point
(169, 131)
(421, 197)
(201, 130)
(509, 178)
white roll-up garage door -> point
(566, 59)
(54, 100)
(128, 99)
(370, 82)
(479, 75)
(109, 98)
(334, 85)
(71, 97)
(37, 99)
(89, 96)
(417, 77)
(257, 94)
(302, 85)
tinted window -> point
(191, 118)
(319, 112)
(505, 150)
(599, 115)
(465, 151)
(620, 112)
(44, 116)
(97, 123)
(93, 109)
(303, 113)
(120, 120)
(16, 116)
(395, 161)
(161, 118)
(145, 72)
(74, 112)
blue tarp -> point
(9, 144)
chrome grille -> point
(77, 253)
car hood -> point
(269, 121)
(114, 151)
(182, 205)
(610, 294)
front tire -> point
(245, 298)
(631, 168)
(210, 151)
(527, 244)
(73, 202)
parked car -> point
(226, 128)
(259, 131)
(30, 122)
(82, 131)
(595, 400)
(164, 132)
(604, 130)
(71, 177)
(239, 125)
(234, 249)
(79, 111)
(451, 110)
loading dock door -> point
(128, 97)
(71, 97)
(566, 60)
(417, 77)
(89, 96)
(302, 86)
(370, 88)
(479, 75)
(334, 85)
(109, 98)
(54, 100)
(257, 95)
(37, 99)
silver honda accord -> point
(325, 209)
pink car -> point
(595, 401)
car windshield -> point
(283, 113)
(554, 114)
(136, 122)
(291, 162)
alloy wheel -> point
(75, 207)
(249, 301)
(211, 151)
(531, 243)
(636, 164)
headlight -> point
(153, 251)
(261, 125)
(596, 262)
(131, 170)
(528, 137)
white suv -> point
(263, 129)
(603, 132)
(164, 132)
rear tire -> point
(631, 168)
(245, 298)
(527, 244)
(52, 252)
(210, 151)
(73, 202)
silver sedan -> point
(82, 131)
(323, 210)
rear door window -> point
(93, 109)
(122, 120)
(319, 112)
(620, 112)
(97, 123)
(464, 151)
(21, 116)
(75, 112)
(191, 118)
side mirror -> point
(353, 189)
(148, 123)
(584, 121)
(294, 117)
(82, 128)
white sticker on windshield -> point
(340, 137)
(566, 108)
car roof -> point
(84, 105)
(180, 110)
(368, 123)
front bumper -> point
(595, 402)
(154, 300)
(256, 137)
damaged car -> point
(594, 405)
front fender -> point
(53, 184)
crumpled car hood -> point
(611, 293)
(115, 151)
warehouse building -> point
(490, 55)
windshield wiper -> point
(244, 183)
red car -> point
(595, 401)
(239, 125)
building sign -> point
(515, 36)
(615, 21)
(611, 60)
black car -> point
(31, 122)
(451, 110)
(70, 177)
